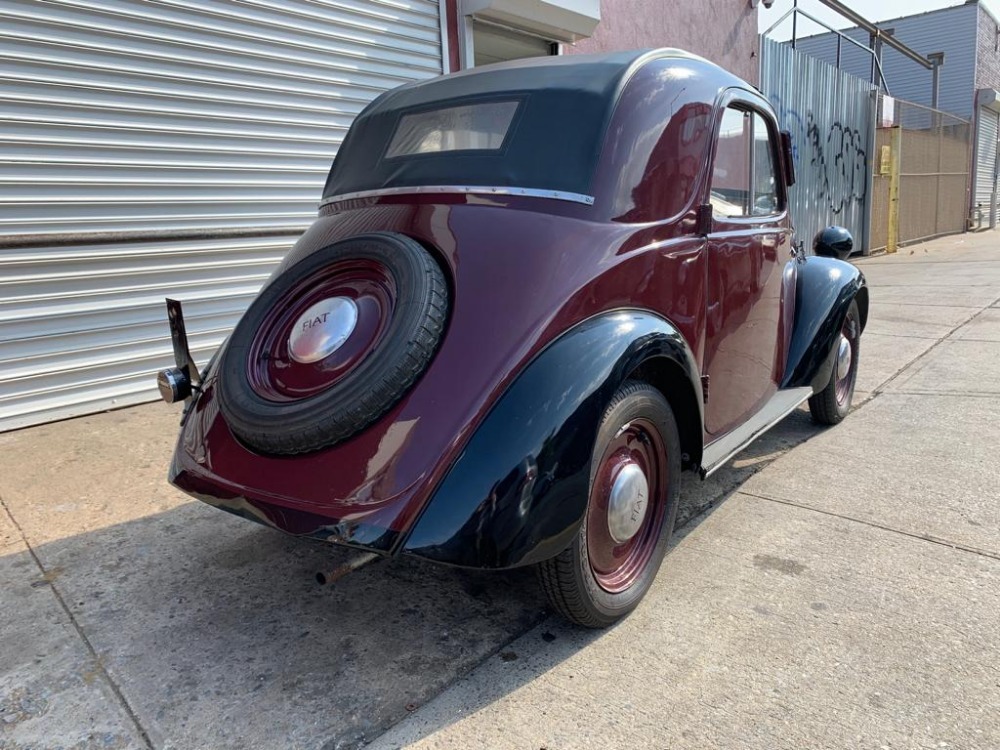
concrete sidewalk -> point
(847, 595)
(832, 588)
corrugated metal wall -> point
(208, 125)
(949, 30)
(829, 115)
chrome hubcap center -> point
(628, 503)
(322, 329)
(843, 358)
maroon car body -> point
(748, 319)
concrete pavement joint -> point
(872, 524)
(98, 662)
(911, 336)
(961, 285)
(886, 383)
(911, 304)
(928, 262)
(954, 394)
(979, 341)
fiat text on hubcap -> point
(628, 502)
(322, 329)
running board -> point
(780, 406)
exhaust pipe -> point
(348, 567)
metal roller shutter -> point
(166, 148)
(986, 158)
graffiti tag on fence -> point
(836, 153)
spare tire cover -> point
(331, 344)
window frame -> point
(739, 99)
(748, 156)
(775, 165)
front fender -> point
(824, 290)
(518, 492)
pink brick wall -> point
(724, 31)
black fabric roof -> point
(554, 142)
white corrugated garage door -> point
(986, 158)
(167, 148)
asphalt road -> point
(831, 588)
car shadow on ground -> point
(218, 635)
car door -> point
(744, 351)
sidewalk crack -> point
(923, 355)
(98, 661)
(882, 527)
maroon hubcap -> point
(278, 376)
(627, 500)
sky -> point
(873, 10)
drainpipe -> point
(937, 60)
(874, 44)
(866, 212)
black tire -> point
(568, 580)
(377, 382)
(828, 407)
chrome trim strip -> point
(559, 195)
(726, 447)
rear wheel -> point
(333, 343)
(832, 404)
(634, 486)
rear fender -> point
(824, 290)
(518, 492)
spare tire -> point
(332, 344)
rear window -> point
(470, 127)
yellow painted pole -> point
(892, 243)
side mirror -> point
(788, 156)
(834, 242)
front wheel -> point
(832, 404)
(634, 487)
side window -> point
(765, 174)
(731, 172)
(744, 176)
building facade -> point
(176, 149)
(968, 36)
(723, 31)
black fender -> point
(824, 289)
(518, 492)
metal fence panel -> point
(933, 174)
(829, 114)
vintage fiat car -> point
(534, 294)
